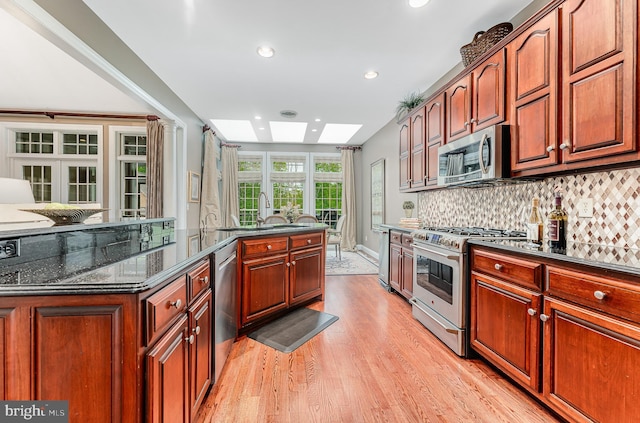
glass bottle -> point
(534, 223)
(557, 227)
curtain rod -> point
(53, 115)
(206, 128)
(224, 144)
(349, 147)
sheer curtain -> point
(348, 242)
(230, 201)
(210, 200)
(155, 164)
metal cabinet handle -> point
(177, 303)
(196, 330)
(532, 312)
(293, 262)
(498, 266)
(599, 295)
(308, 241)
(466, 124)
(474, 120)
(544, 317)
(550, 148)
(268, 246)
(205, 279)
(190, 339)
(564, 145)
(288, 264)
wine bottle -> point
(535, 225)
(557, 227)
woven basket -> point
(483, 41)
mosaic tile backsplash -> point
(616, 206)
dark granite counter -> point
(106, 269)
(625, 260)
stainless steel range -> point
(440, 280)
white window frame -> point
(115, 176)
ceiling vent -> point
(289, 114)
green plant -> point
(408, 205)
(411, 101)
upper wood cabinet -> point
(435, 136)
(598, 73)
(477, 100)
(405, 171)
(417, 163)
(533, 95)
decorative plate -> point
(66, 216)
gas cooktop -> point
(455, 237)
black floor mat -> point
(294, 329)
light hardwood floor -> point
(375, 364)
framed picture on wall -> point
(377, 194)
(194, 187)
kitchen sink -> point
(260, 228)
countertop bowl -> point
(65, 216)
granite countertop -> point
(618, 259)
(84, 271)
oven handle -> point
(456, 257)
(415, 303)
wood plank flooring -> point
(376, 364)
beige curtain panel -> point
(155, 165)
(230, 201)
(348, 242)
(210, 216)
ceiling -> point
(205, 51)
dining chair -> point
(306, 218)
(236, 222)
(335, 236)
(275, 218)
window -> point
(250, 175)
(41, 181)
(80, 144)
(288, 179)
(34, 142)
(133, 175)
(327, 178)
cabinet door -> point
(435, 118)
(200, 350)
(395, 267)
(265, 287)
(505, 327)
(407, 273)
(458, 110)
(417, 161)
(305, 275)
(591, 367)
(14, 353)
(168, 377)
(489, 92)
(532, 62)
(405, 136)
(598, 79)
(78, 356)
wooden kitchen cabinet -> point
(405, 154)
(534, 95)
(401, 263)
(477, 100)
(265, 287)
(307, 262)
(599, 81)
(417, 163)
(435, 136)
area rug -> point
(351, 264)
(289, 332)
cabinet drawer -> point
(407, 240)
(163, 306)
(306, 240)
(521, 272)
(395, 237)
(198, 280)
(253, 247)
(610, 296)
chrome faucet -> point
(267, 205)
(204, 221)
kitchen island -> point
(132, 334)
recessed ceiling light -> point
(314, 130)
(317, 119)
(261, 128)
(257, 117)
(371, 75)
(266, 51)
(338, 133)
(418, 3)
(235, 130)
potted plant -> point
(407, 104)
(408, 207)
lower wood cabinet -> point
(265, 287)
(401, 263)
(574, 343)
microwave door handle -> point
(483, 167)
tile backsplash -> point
(615, 194)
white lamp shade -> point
(15, 191)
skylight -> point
(235, 130)
(338, 133)
(288, 131)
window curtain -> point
(230, 201)
(155, 164)
(348, 242)
(210, 198)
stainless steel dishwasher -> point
(224, 305)
(383, 258)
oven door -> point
(438, 294)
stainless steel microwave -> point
(480, 157)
